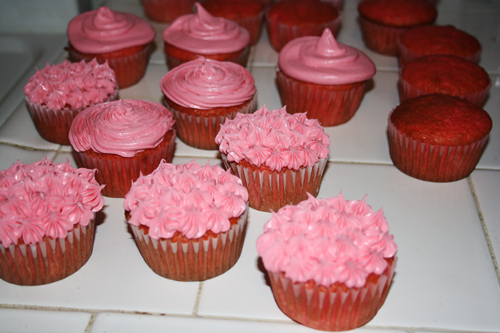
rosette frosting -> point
(322, 60)
(71, 85)
(123, 127)
(206, 84)
(275, 139)
(187, 198)
(327, 240)
(104, 30)
(203, 33)
(45, 199)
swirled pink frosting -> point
(275, 139)
(327, 240)
(104, 30)
(71, 85)
(187, 198)
(45, 199)
(202, 33)
(322, 60)
(123, 127)
(206, 84)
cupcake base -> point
(381, 38)
(167, 10)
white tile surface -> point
(28, 321)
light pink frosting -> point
(202, 33)
(75, 85)
(327, 240)
(206, 84)
(275, 139)
(123, 127)
(187, 198)
(45, 199)
(322, 60)
(104, 30)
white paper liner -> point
(254, 26)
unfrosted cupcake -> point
(188, 221)
(122, 139)
(217, 38)
(47, 222)
(167, 10)
(437, 138)
(56, 94)
(323, 78)
(122, 39)
(202, 94)
(330, 262)
(279, 157)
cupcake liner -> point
(381, 38)
(199, 131)
(254, 26)
(48, 261)
(54, 126)
(338, 4)
(334, 308)
(430, 162)
(240, 57)
(405, 55)
(167, 10)
(118, 172)
(331, 105)
(195, 259)
(271, 190)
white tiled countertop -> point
(447, 276)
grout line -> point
(198, 298)
(88, 329)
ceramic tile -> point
(27, 321)
(10, 154)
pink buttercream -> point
(104, 30)
(275, 139)
(71, 85)
(202, 33)
(187, 198)
(322, 60)
(124, 127)
(205, 84)
(45, 199)
(327, 240)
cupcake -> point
(46, 221)
(279, 157)
(202, 94)
(330, 262)
(56, 94)
(217, 38)
(122, 139)
(122, 39)
(436, 39)
(437, 138)
(338, 4)
(323, 78)
(444, 74)
(247, 13)
(167, 10)
(384, 21)
(287, 20)
(188, 221)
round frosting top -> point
(45, 199)
(104, 30)
(275, 139)
(206, 84)
(202, 33)
(123, 127)
(187, 198)
(322, 60)
(71, 85)
(327, 240)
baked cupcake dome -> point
(167, 10)
(444, 74)
(437, 138)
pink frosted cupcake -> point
(56, 94)
(188, 221)
(202, 34)
(279, 157)
(122, 139)
(167, 10)
(330, 262)
(46, 221)
(323, 78)
(202, 94)
(121, 39)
